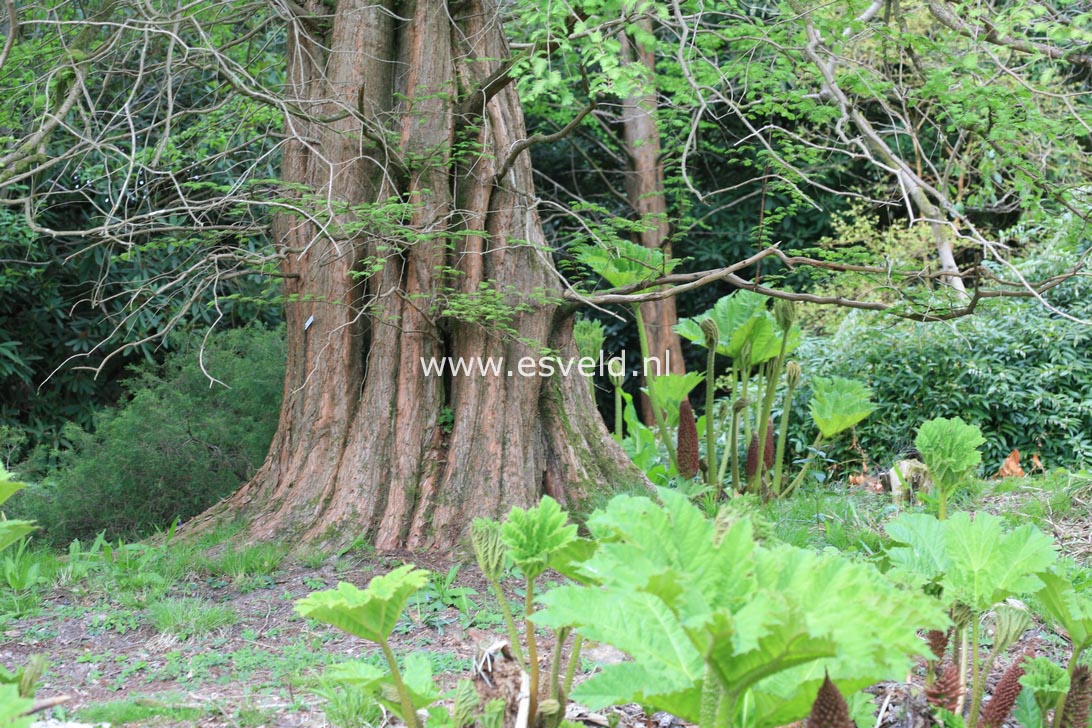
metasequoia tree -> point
(645, 189)
(428, 121)
(385, 145)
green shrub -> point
(179, 442)
(1018, 370)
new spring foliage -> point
(688, 598)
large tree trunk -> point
(398, 231)
(645, 190)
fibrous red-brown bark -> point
(645, 190)
(368, 444)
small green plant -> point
(757, 342)
(372, 614)
(949, 448)
(138, 710)
(974, 565)
(187, 617)
(314, 558)
(22, 574)
(119, 621)
(1047, 684)
(441, 593)
(348, 706)
(254, 560)
(837, 404)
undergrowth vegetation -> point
(1019, 369)
(187, 434)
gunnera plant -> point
(829, 709)
(1004, 696)
(1075, 710)
(687, 450)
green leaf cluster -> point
(949, 448)
(378, 684)
(621, 262)
(1046, 681)
(11, 531)
(838, 404)
(369, 613)
(701, 606)
(1068, 607)
(535, 534)
(741, 317)
(974, 561)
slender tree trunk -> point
(406, 223)
(645, 189)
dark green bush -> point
(177, 444)
(1019, 370)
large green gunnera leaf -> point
(975, 561)
(949, 449)
(369, 613)
(838, 404)
(690, 601)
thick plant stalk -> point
(745, 382)
(490, 552)
(657, 415)
(532, 649)
(574, 662)
(964, 648)
(792, 378)
(617, 380)
(1072, 667)
(410, 713)
(716, 705)
(509, 621)
(555, 691)
(773, 374)
(977, 678)
(712, 338)
(731, 454)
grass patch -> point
(247, 562)
(848, 521)
(137, 710)
(187, 617)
